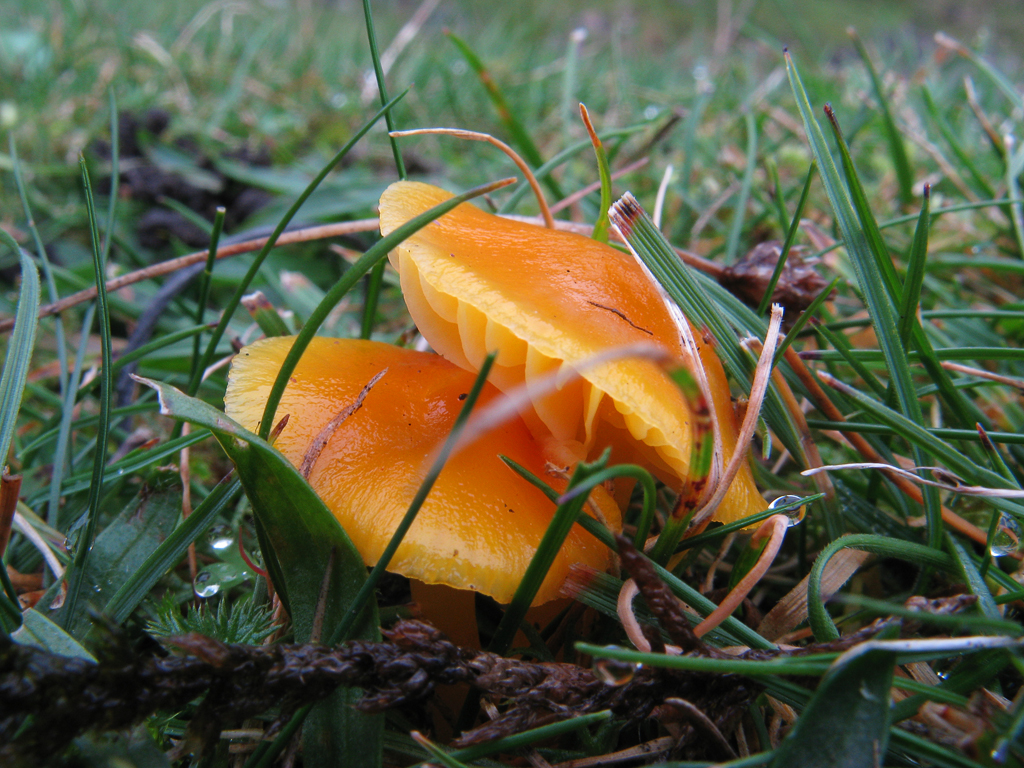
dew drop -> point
(205, 585)
(218, 577)
(615, 672)
(221, 537)
(796, 514)
(1006, 539)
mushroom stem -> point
(460, 133)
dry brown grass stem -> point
(460, 133)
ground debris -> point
(46, 700)
(798, 284)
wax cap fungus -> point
(481, 523)
(546, 301)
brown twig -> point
(173, 265)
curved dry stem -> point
(304, 235)
(955, 485)
(758, 389)
(659, 201)
(775, 528)
(461, 133)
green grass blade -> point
(802, 321)
(378, 72)
(519, 135)
(344, 627)
(897, 150)
(821, 623)
(51, 286)
(973, 579)
(373, 287)
(794, 227)
(115, 177)
(77, 572)
(1014, 166)
(858, 201)
(561, 523)
(19, 350)
(243, 286)
(532, 736)
(875, 273)
(919, 436)
(365, 262)
(602, 225)
(732, 243)
(60, 455)
(911, 295)
(851, 705)
(204, 291)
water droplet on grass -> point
(615, 672)
(1006, 539)
(796, 514)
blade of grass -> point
(115, 177)
(77, 572)
(794, 227)
(975, 583)
(875, 273)
(378, 72)
(60, 455)
(204, 290)
(44, 259)
(803, 319)
(602, 225)
(374, 255)
(732, 243)
(567, 514)
(1012, 438)
(18, 357)
(821, 623)
(519, 135)
(243, 286)
(897, 150)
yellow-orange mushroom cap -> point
(546, 301)
(481, 523)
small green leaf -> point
(38, 631)
(846, 723)
(125, 544)
(19, 350)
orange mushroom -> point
(481, 523)
(546, 301)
